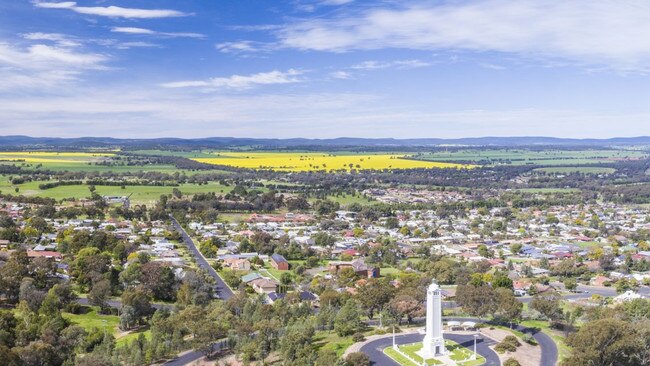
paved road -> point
(375, 349)
(549, 349)
(585, 292)
(193, 356)
(222, 290)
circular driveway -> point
(375, 349)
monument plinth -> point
(433, 344)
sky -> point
(324, 68)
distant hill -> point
(224, 142)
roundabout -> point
(375, 349)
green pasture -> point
(139, 194)
(531, 157)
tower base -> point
(433, 347)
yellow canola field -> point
(301, 162)
(50, 157)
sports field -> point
(311, 161)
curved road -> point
(546, 343)
(375, 349)
(222, 290)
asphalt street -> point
(375, 349)
(222, 290)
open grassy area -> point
(109, 323)
(346, 199)
(331, 340)
(312, 161)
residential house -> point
(278, 262)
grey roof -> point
(278, 258)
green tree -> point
(605, 342)
(476, 300)
(549, 305)
(348, 320)
(508, 307)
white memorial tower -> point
(433, 344)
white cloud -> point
(344, 75)
(241, 81)
(604, 32)
(144, 31)
(129, 45)
(112, 11)
(39, 66)
(42, 56)
(241, 47)
(58, 38)
(400, 64)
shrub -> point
(508, 344)
(528, 339)
(358, 337)
(357, 359)
(511, 362)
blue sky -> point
(324, 68)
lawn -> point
(268, 268)
(331, 340)
(92, 320)
(311, 161)
(457, 353)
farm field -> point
(140, 194)
(531, 157)
(301, 162)
(73, 162)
